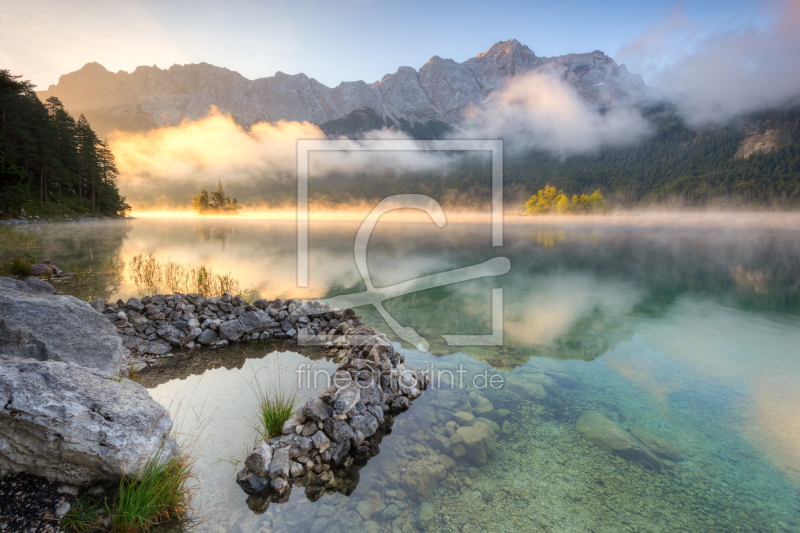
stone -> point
(256, 322)
(338, 430)
(447, 461)
(463, 418)
(195, 299)
(170, 334)
(338, 452)
(346, 398)
(491, 423)
(564, 380)
(135, 304)
(317, 410)
(507, 428)
(321, 441)
(259, 459)
(483, 406)
(426, 515)
(76, 425)
(390, 513)
(279, 485)
(231, 330)
(420, 479)
(279, 465)
(479, 442)
(657, 445)
(502, 413)
(250, 482)
(442, 443)
(157, 348)
(527, 389)
(366, 424)
(207, 337)
(45, 327)
(364, 508)
(295, 469)
(609, 437)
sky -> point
(354, 39)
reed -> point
(152, 276)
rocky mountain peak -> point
(441, 90)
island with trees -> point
(215, 202)
(551, 201)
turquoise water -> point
(686, 327)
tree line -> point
(50, 162)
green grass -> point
(274, 409)
(85, 516)
(158, 494)
(19, 266)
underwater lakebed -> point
(681, 337)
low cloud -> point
(540, 110)
(162, 168)
(717, 74)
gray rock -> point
(259, 459)
(207, 337)
(170, 334)
(321, 441)
(346, 398)
(76, 425)
(279, 466)
(250, 482)
(231, 330)
(366, 424)
(195, 299)
(44, 327)
(338, 430)
(256, 321)
(135, 304)
(157, 348)
(316, 410)
(39, 286)
(607, 436)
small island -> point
(551, 200)
(215, 203)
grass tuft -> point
(275, 404)
(159, 493)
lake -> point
(682, 329)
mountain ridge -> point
(440, 90)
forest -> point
(676, 166)
(50, 163)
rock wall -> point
(76, 425)
(151, 327)
(343, 424)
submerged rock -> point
(609, 437)
(479, 442)
(36, 324)
(527, 389)
(657, 445)
(76, 425)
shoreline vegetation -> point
(52, 165)
(150, 274)
(215, 203)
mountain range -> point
(436, 95)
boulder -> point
(609, 437)
(256, 322)
(479, 442)
(259, 460)
(527, 389)
(657, 445)
(76, 425)
(41, 326)
(207, 337)
(420, 479)
(231, 330)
